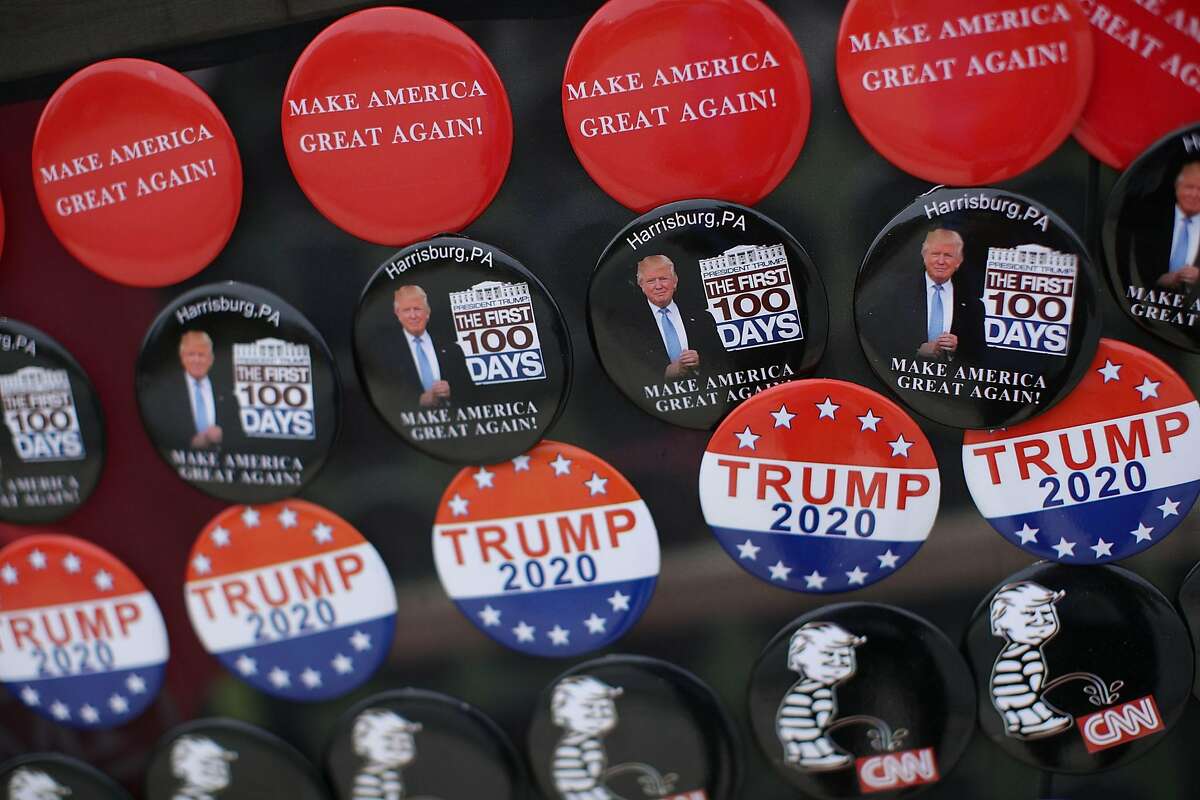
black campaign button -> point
(413, 743)
(697, 305)
(51, 457)
(629, 726)
(239, 392)
(1189, 603)
(1151, 239)
(1078, 669)
(48, 776)
(225, 758)
(462, 350)
(977, 307)
(857, 698)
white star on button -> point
(827, 409)
(597, 485)
(558, 636)
(814, 580)
(287, 518)
(103, 581)
(746, 439)
(8, 573)
(618, 601)
(1110, 371)
(869, 422)
(524, 632)
(489, 616)
(458, 505)
(71, 563)
(250, 517)
(748, 549)
(201, 564)
(37, 559)
(135, 684)
(856, 576)
(118, 704)
(1028, 534)
(310, 678)
(59, 710)
(1169, 508)
(783, 417)
(888, 560)
(484, 479)
(900, 446)
(1101, 548)
(279, 678)
(342, 664)
(1064, 548)
(322, 533)
(30, 696)
(246, 665)
(1148, 388)
(360, 641)
(562, 466)
(220, 537)
(521, 464)
(595, 623)
(780, 571)
(88, 713)
(1142, 534)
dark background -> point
(707, 614)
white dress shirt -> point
(1192, 225)
(206, 395)
(676, 323)
(426, 345)
(947, 302)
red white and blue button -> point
(291, 599)
(1105, 474)
(82, 642)
(819, 486)
(553, 553)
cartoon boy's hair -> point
(374, 719)
(574, 690)
(822, 634)
(1022, 594)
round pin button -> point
(239, 392)
(84, 643)
(1105, 474)
(553, 553)
(977, 307)
(819, 486)
(1189, 604)
(1145, 54)
(291, 599)
(396, 125)
(46, 776)
(137, 172)
(857, 698)
(974, 63)
(229, 759)
(53, 450)
(697, 305)
(666, 101)
(1078, 669)
(413, 743)
(462, 350)
(1150, 239)
(628, 726)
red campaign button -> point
(932, 85)
(651, 87)
(1147, 78)
(396, 125)
(137, 172)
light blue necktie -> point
(669, 335)
(202, 423)
(1179, 251)
(424, 371)
(936, 314)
